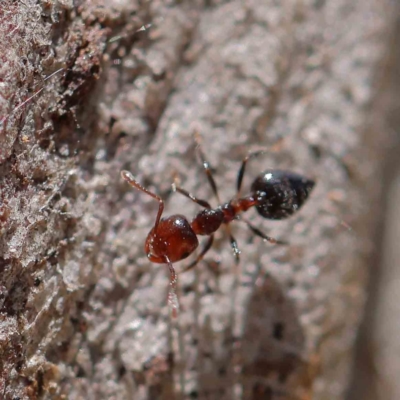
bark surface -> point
(83, 312)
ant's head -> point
(280, 194)
(171, 240)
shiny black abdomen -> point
(280, 193)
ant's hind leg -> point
(262, 235)
(241, 172)
(243, 169)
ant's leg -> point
(235, 248)
(243, 169)
(274, 148)
(206, 167)
(200, 202)
(262, 235)
(173, 301)
(203, 252)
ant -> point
(276, 194)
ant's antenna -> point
(132, 181)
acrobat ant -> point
(276, 194)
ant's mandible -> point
(276, 194)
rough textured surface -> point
(83, 312)
(377, 368)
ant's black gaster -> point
(280, 193)
(276, 194)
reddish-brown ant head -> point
(172, 239)
(279, 194)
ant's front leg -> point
(173, 301)
(203, 252)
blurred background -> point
(376, 373)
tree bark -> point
(83, 311)
(376, 371)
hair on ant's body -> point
(276, 194)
